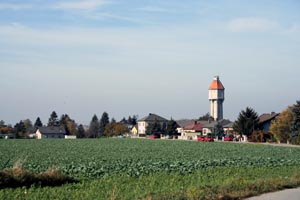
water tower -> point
(216, 98)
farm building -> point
(265, 120)
(50, 132)
(190, 129)
(210, 127)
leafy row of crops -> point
(104, 157)
(133, 168)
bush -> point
(261, 136)
(295, 140)
(17, 176)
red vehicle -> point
(205, 139)
(153, 137)
(228, 138)
(208, 139)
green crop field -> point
(152, 169)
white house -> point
(150, 119)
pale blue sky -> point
(130, 57)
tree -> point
(94, 127)
(295, 124)
(38, 122)
(113, 120)
(53, 121)
(5, 129)
(103, 122)
(133, 120)
(154, 128)
(80, 131)
(260, 136)
(115, 129)
(218, 131)
(28, 125)
(246, 122)
(130, 121)
(124, 121)
(72, 127)
(20, 129)
(63, 122)
(205, 117)
(280, 127)
(2, 123)
(171, 129)
(68, 124)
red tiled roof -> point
(196, 127)
(216, 85)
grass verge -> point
(213, 183)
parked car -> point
(153, 137)
(228, 138)
(209, 139)
(201, 139)
(205, 139)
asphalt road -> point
(289, 194)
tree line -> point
(284, 129)
(102, 127)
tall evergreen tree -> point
(154, 128)
(171, 129)
(246, 122)
(129, 120)
(53, 121)
(218, 131)
(38, 122)
(20, 129)
(103, 122)
(2, 123)
(124, 121)
(205, 117)
(134, 120)
(94, 127)
(113, 120)
(80, 131)
(295, 125)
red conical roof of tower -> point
(216, 84)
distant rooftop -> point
(153, 117)
(52, 130)
(267, 116)
(223, 122)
